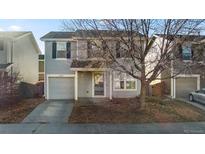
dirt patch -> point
(127, 111)
(15, 112)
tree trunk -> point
(142, 95)
(143, 89)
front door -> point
(98, 85)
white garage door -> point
(61, 88)
(184, 85)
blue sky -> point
(38, 27)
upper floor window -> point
(186, 52)
(123, 81)
(61, 50)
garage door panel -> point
(184, 85)
(61, 88)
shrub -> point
(9, 88)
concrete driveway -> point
(51, 111)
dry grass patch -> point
(127, 111)
(15, 112)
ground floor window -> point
(123, 81)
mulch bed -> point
(127, 111)
(15, 111)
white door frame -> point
(57, 76)
(173, 83)
(104, 78)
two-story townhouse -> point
(187, 69)
(71, 72)
(19, 54)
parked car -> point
(198, 95)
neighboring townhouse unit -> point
(41, 72)
(188, 70)
(19, 54)
(71, 72)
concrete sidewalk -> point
(63, 128)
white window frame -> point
(61, 50)
(187, 46)
(125, 80)
(93, 84)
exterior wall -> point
(166, 74)
(41, 73)
(179, 65)
(82, 49)
(85, 86)
(79, 50)
(55, 66)
(25, 59)
(5, 53)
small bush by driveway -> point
(15, 112)
(127, 111)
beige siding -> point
(25, 59)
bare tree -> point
(143, 58)
(9, 88)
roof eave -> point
(88, 69)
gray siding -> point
(55, 66)
(82, 49)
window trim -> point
(63, 50)
(125, 80)
(187, 46)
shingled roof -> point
(186, 37)
(58, 35)
(88, 64)
(84, 33)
